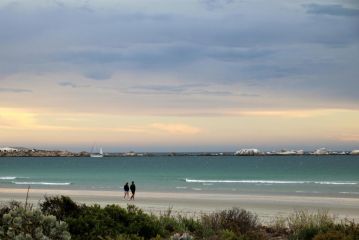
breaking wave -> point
(270, 182)
(42, 183)
(8, 178)
(11, 178)
(356, 193)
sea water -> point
(288, 175)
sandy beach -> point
(266, 207)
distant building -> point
(9, 149)
(354, 152)
(290, 152)
(248, 152)
(130, 154)
(321, 151)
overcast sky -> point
(181, 75)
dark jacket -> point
(133, 187)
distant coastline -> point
(42, 153)
(25, 152)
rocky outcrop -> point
(43, 153)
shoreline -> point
(267, 207)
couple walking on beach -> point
(127, 188)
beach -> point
(267, 207)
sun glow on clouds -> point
(16, 118)
(303, 113)
(176, 128)
(351, 137)
(51, 122)
(249, 127)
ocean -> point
(286, 175)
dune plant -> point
(304, 225)
(19, 223)
(235, 221)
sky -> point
(179, 75)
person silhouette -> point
(126, 189)
(133, 190)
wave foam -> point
(356, 193)
(12, 178)
(270, 182)
(336, 183)
(8, 178)
(42, 183)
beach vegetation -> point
(184, 236)
(95, 222)
(331, 235)
(304, 225)
(59, 217)
(227, 222)
(21, 222)
(59, 206)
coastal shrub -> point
(171, 224)
(331, 235)
(95, 222)
(189, 224)
(184, 236)
(349, 229)
(7, 207)
(228, 235)
(236, 220)
(59, 206)
(177, 224)
(304, 225)
(17, 222)
(142, 224)
(127, 237)
(277, 228)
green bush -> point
(184, 236)
(116, 223)
(189, 224)
(304, 225)
(95, 222)
(237, 220)
(60, 206)
(349, 229)
(20, 223)
(228, 235)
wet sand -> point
(266, 207)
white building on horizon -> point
(247, 152)
(9, 149)
(290, 152)
(321, 151)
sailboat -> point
(97, 155)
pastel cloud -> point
(332, 9)
(18, 118)
(176, 128)
(15, 90)
(350, 137)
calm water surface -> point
(297, 175)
